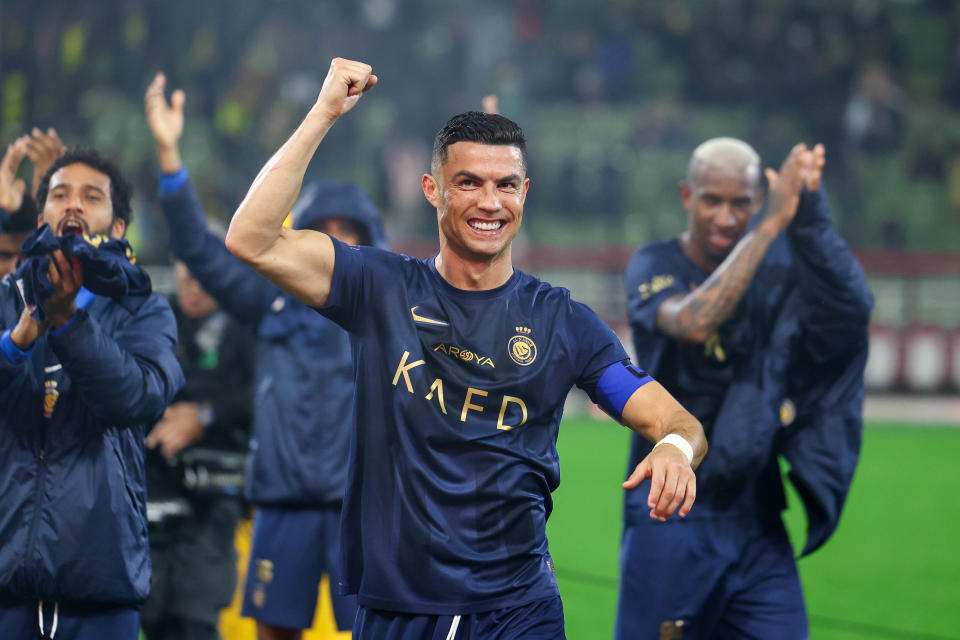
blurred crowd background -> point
(613, 95)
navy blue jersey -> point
(459, 399)
(742, 355)
(698, 375)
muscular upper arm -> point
(299, 261)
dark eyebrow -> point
(64, 185)
(94, 187)
(513, 177)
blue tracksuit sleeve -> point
(129, 376)
(10, 306)
(8, 371)
(240, 290)
(822, 446)
(831, 282)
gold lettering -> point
(95, 240)
(503, 410)
(442, 348)
(403, 368)
(487, 361)
(438, 387)
(656, 285)
(659, 283)
(466, 403)
(713, 349)
(453, 351)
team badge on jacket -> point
(50, 395)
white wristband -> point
(680, 443)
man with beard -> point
(82, 376)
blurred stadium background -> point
(613, 95)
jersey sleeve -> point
(597, 347)
(650, 279)
(361, 278)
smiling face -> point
(479, 194)
(79, 201)
(719, 203)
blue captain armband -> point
(617, 384)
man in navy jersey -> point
(463, 365)
(758, 325)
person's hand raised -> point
(11, 187)
(346, 81)
(786, 185)
(43, 148)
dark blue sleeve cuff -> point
(173, 182)
(617, 384)
(57, 332)
(13, 353)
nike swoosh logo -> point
(419, 318)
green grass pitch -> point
(892, 569)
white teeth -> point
(485, 226)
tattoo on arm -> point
(695, 316)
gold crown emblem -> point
(522, 330)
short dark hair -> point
(477, 126)
(120, 189)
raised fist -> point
(346, 81)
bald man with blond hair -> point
(757, 323)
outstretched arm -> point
(654, 414)
(238, 289)
(300, 262)
(693, 317)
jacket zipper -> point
(38, 496)
(38, 501)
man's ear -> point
(686, 194)
(118, 228)
(431, 189)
